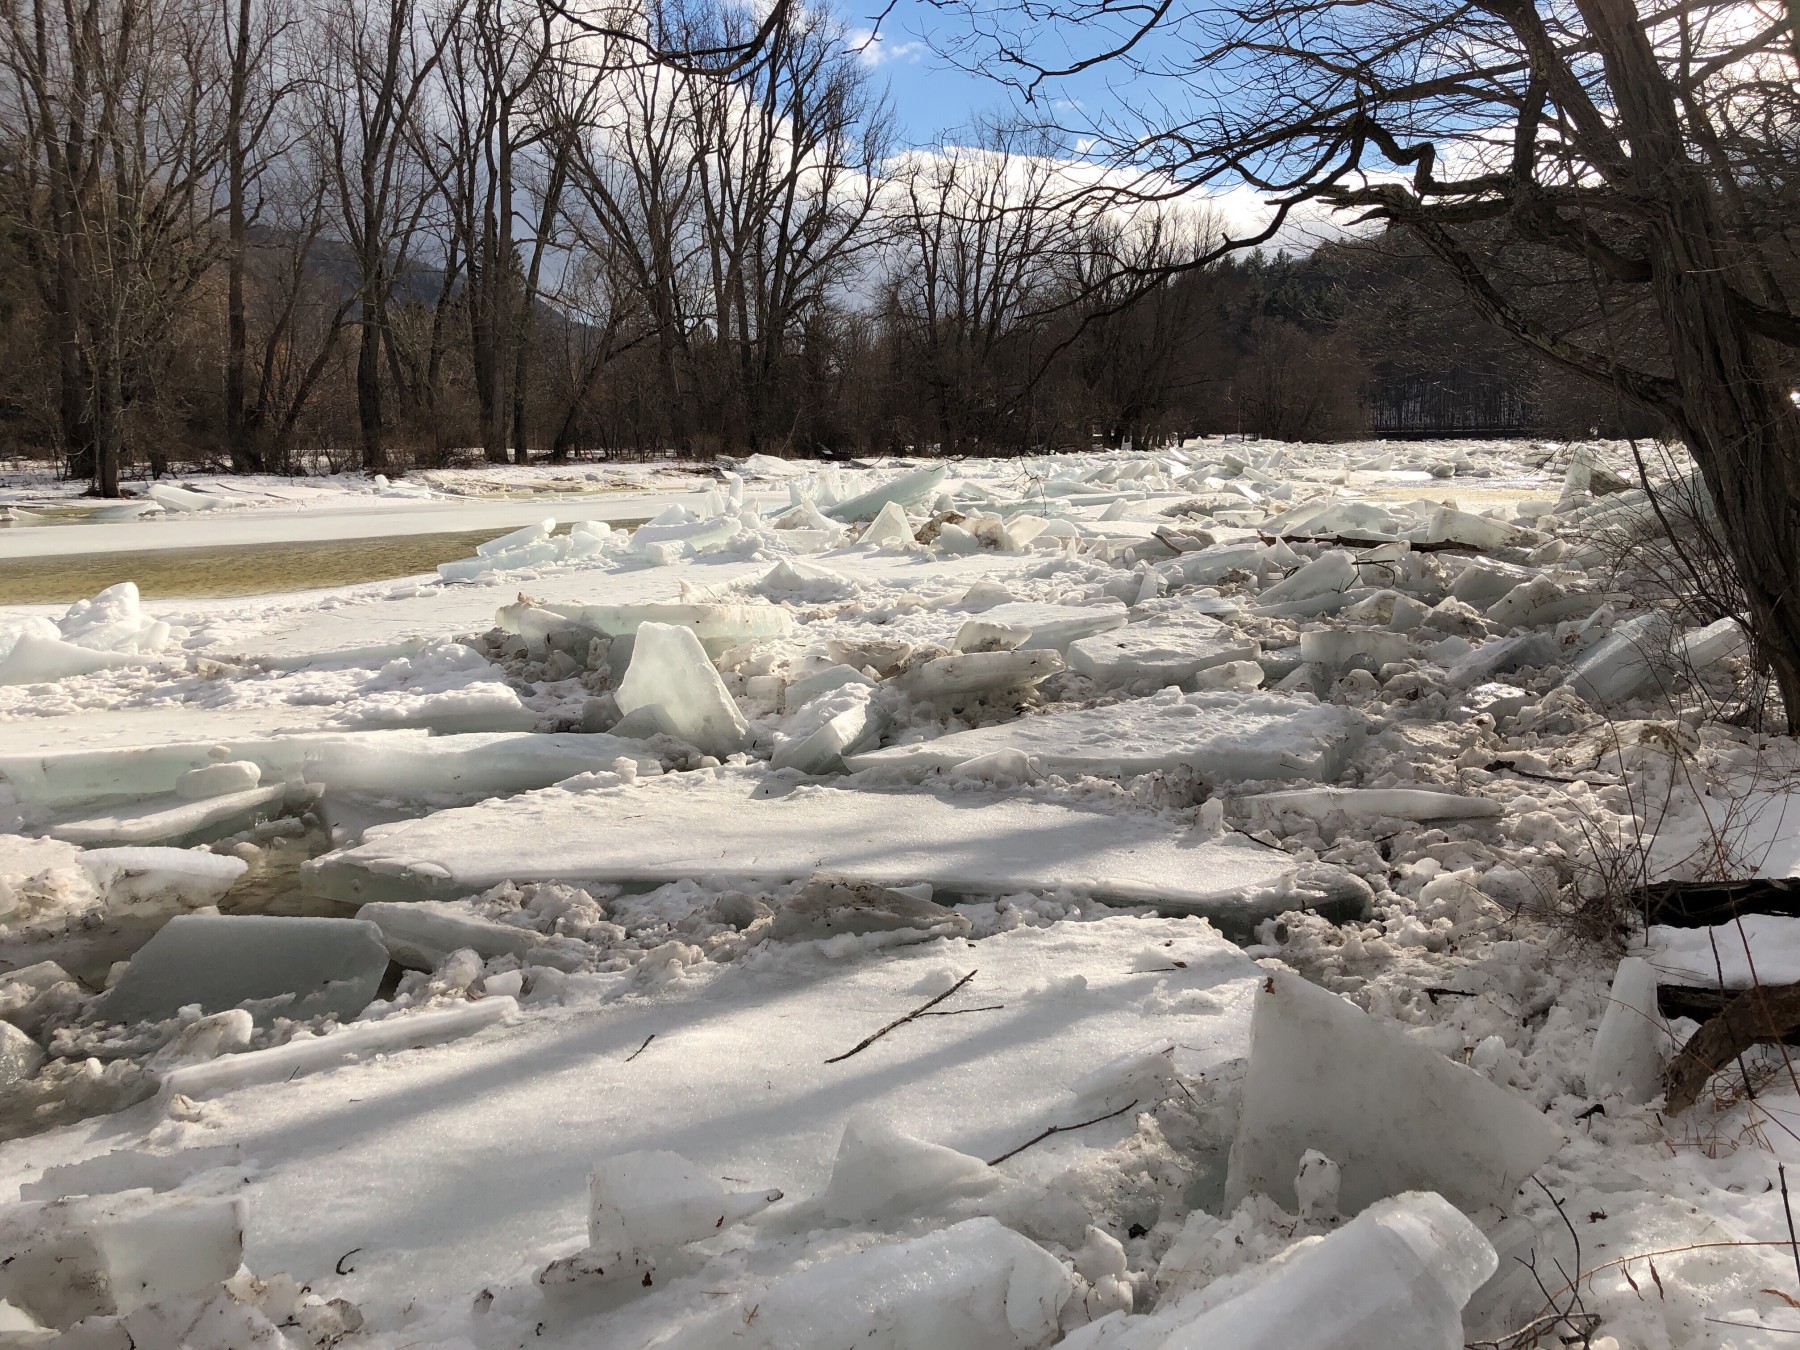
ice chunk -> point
(827, 906)
(973, 1286)
(1448, 525)
(1027, 626)
(278, 967)
(1486, 580)
(112, 621)
(1240, 675)
(1168, 653)
(63, 1260)
(161, 880)
(808, 687)
(1698, 648)
(644, 1206)
(1539, 602)
(172, 498)
(71, 777)
(474, 764)
(421, 934)
(530, 534)
(128, 1170)
(979, 673)
(1333, 571)
(1145, 1076)
(792, 579)
(36, 659)
(1396, 1115)
(735, 826)
(1368, 803)
(204, 1040)
(157, 822)
(14, 628)
(1223, 736)
(686, 537)
(1634, 655)
(1213, 563)
(881, 1174)
(1627, 1059)
(1499, 701)
(1317, 1185)
(717, 626)
(889, 529)
(1397, 1277)
(216, 780)
(671, 679)
(826, 730)
(904, 491)
(1336, 650)
(20, 1056)
(1498, 656)
(305, 1055)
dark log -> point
(1752, 1017)
(1702, 904)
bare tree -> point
(637, 182)
(375, 64)
(984, 237)
(251, 32)
(788, 155)
(1641, 159)
(114, 109)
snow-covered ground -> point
(989, 904)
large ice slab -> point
(135, 767)
(671, 686)
(65, 1260)
(973, 1286)
(1396, 1277)
(154, 880)
(757, 831)
(317, 1054)
(1634, 655)
(1224, 735)
(1393, 1114)
(1370, 803)
(35, 659)
(422, 934)
(1029, 626)
(979, 673)
(473, 764)
(717, 626)
(173, 821)
(280, 967)
(1627, 1058)
(903, 491)
(1169, 653)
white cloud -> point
(877, 49)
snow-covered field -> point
(1121, 900)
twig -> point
(640, 1050)
(1060, 1129)
(339, 1267)
(1787, 1209)
(958, 1012)
(915, 1014)
(1755, 1326)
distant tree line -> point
(275, 234)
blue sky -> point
(930, 95)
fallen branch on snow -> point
(912, 1016)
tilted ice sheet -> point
(1226, 736)
(395, 1155)
(755, 829)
